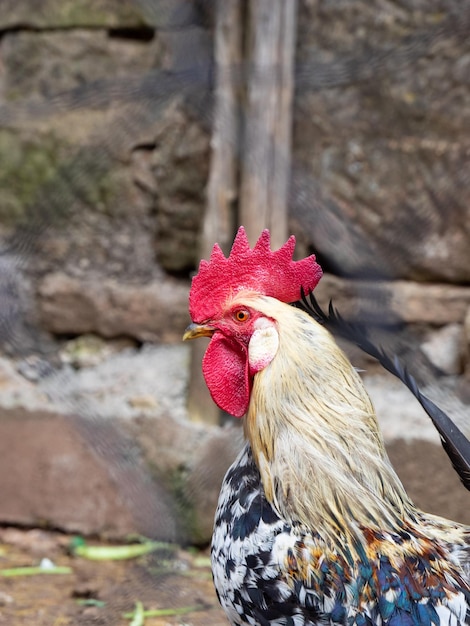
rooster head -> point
(222, 305)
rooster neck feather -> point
(315, 437)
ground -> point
(101, 592)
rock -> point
(400, 414)
(106, 148)
(27, 163)
(49, 64)
(190, 460)
(71, 13)
(5, 599)
(414, 446)
(143, 402)
(391, 302)
(133, 405)
(39, 542)
(89, 350)
(435, 304)
(156, 311)
(169, 444)
(108, 449)
(444, 348)
(126, 15)
(379, 183)
(429, 478)
(16, 391)
(206, 472)
(466, 329)
(179, 164)
(61, 482)
(106, 390)
(464, 383)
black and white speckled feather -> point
(268, 572)
(247, 533)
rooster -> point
(313, 526)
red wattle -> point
(225, 369)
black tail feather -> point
(454, 442)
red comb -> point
(260, 270)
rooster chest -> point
(248, 545)
(270, 573)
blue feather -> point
(386, 607)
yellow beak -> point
(198, 330)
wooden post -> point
(266, 161)
(222, 189)
(251, 162)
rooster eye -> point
(241, 315)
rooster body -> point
(268, 571)
(313, 525)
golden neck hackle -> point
(315, 437)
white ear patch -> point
(263, 345)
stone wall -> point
(383, 101)
(105, 111)
(104, 139)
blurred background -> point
(133, 136)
